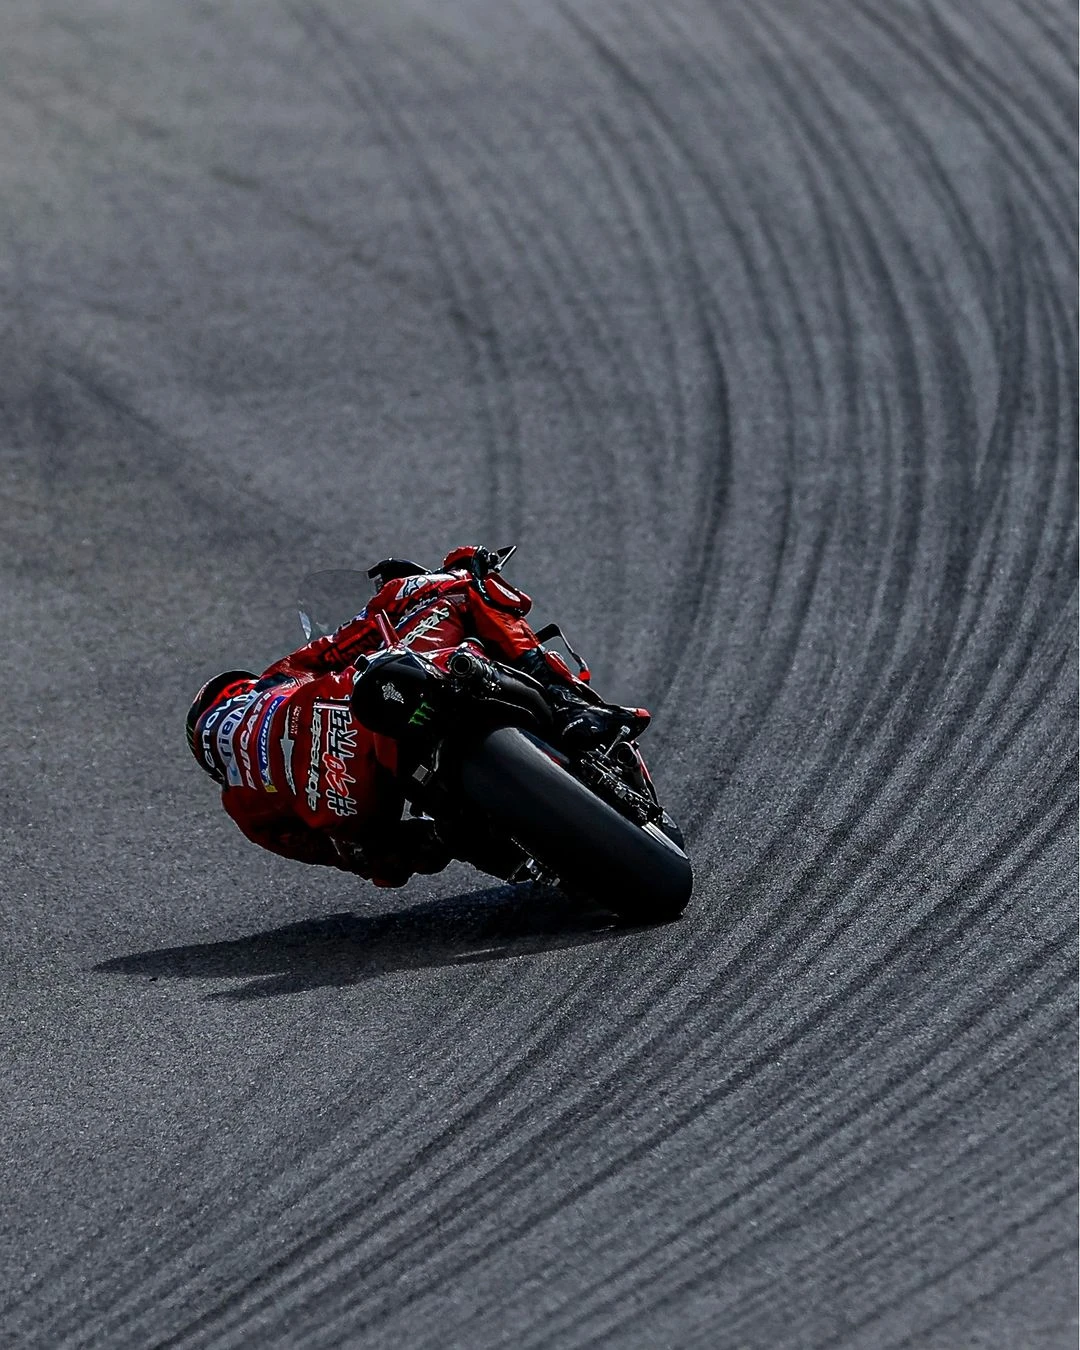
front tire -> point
(642, 874)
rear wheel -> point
(642, 874)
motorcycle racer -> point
(303, 778)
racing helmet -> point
(228, 685)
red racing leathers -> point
(303, 778)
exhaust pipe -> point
(467, 665)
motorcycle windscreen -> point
(329, 599)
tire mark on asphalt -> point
(801, 1153)
(886, 1238)
(878, 714)
(1030, 1215)
(881, 996)
(1015, 150)
(145, 1301)
(1067, 1330)
(975, 73)
(374, 1310)
(584, 1112)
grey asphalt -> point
(755, 327)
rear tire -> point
(641, 874)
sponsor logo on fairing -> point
(503, 592)
(340, 746)
(245, 757)
(206, 726)
(430, 620)
(455, 599)
(333, 744)
(413, 584)
(262, 743)
(338, 780)
(229, 723)
(207, 753)
(311, 790)
(213, 717)
(244, 742)
(288, 744)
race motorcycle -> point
(479, 753)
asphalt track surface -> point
(754, 326)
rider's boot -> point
(582, 726)
(583, 723)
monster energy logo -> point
(421, 715)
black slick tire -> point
(641, 874)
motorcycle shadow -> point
(341, 949)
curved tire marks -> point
(782, 307)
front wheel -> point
(640, 873)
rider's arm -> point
(497, 616)
(326, 655)
(290, 837)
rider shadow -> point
(343, 949)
